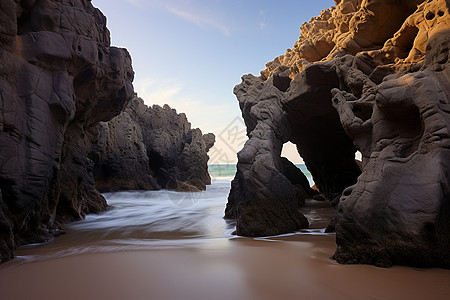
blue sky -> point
(190, 54)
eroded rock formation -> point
(404, 187)
(120, 156)
(151, 148)
(59, 77)
(365, 75)
(262, 199)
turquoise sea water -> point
(222, 170)
(229, 170)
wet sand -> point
(229, 269)
(286, 267)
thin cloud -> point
(137, 3)
(153, 91)
(263, 23)
(198, 111)
(199, 16)
(201, 20)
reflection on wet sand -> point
(286, 268)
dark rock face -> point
(151, 148)
(120, 156)
(59, 77)
(371, 76)
(263, 200)
(404, 187)
(298, 180)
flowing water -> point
(172, 245)
(140, 220)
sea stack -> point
(367, 76)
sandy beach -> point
(128, 135)
(285, 267)
(232, 269)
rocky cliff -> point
(59, 78)
(367, 75)
(151, 148)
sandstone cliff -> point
(367, 75)
(151, 148)
(59, 78)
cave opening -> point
(156, 163)
(328, 153)
(326, 149)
